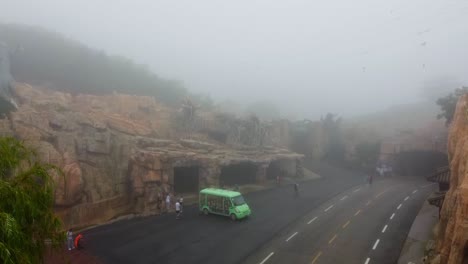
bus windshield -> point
(238, 200)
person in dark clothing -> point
(296, 190)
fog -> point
(308, 57)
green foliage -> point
(26, 205)
(448, 104)
(52, 60)
(5, 107)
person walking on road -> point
(181, 202)
(168, 202)
(369, 179)
(177, 209)
(70, 239)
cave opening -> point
(241, 173)
(186, 179)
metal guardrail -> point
(442, 177)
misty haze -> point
(233, 131)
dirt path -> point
(71, 257)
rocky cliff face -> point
(119, 152)
(453, 235)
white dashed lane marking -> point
(385, 228)
(313, 219)
(357, 190)
(344, 197)
(367, 261)
(293, 235)
(266, 259)
(376, 244)
(406, 198)
(330, 207)
(415, 191)
(399, 206)
(393, 215)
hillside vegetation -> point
(41, 57)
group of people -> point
(168, 200)
(76, 243)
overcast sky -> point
(309, 57)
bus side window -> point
(226, 205)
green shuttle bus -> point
(223, 202)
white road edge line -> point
(385, 228)
(313, 219)
(344, 197)
(376, 244)
(269, 256)
(406, 198)
(289, 238)
(415, 191)
(367, 261)
(330, 207)
(399, 206)
(427, 185)
(357, 190)
(393, 215)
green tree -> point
(52, 60)
(27, 219)
(448, 104)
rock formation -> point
(453, 234)
(119, 153)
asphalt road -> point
(365, 225)
(277, 215)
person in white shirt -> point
(168, 202)
(177, 209)
(70, 239)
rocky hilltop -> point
(453, 230)
(119, 152)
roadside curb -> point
(413, 250)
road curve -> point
(365, 225)
(336, 219)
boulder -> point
(453, 233)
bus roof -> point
(220, 192)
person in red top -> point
(78, 244)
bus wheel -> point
(205, 211)
(233, 217)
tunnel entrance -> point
(242, 173)
(419, 163)
(186, 179)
